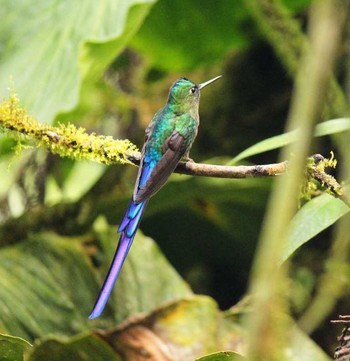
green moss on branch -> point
(65, 140)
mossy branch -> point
(316, 169)
(69, 141)
(65, 140)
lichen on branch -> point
(65, 140)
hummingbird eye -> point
(193, 90)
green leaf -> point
(82, 176)
(183, 329)
(186, 328)
(49, 47)
(222, 356)
(314, 217)
(265, 145)
(326, 128)
(332, 127)
(38, 281)
(168, 41)
(84, 347)
(12, 348)
(48, 284)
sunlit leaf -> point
(265, 145)
(332, 127)
(81, 178)
(326, 128)
(314, 217)
(49, 47)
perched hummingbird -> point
(168, 138)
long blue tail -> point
(127, 228)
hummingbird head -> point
(185, 94)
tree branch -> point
(69, 141)
(225, 171)
(65, 140)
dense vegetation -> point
(250, 268)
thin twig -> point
(225, 171)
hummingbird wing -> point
(153, 175)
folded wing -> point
(152, 174)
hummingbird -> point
(168, 139)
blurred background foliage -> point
(108, 66)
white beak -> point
(202, 85)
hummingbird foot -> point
(187, 159)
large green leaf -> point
(49, 47)
(184, 329)
(174, 29)
(48, 284)
(39, 282)
(314, 217)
